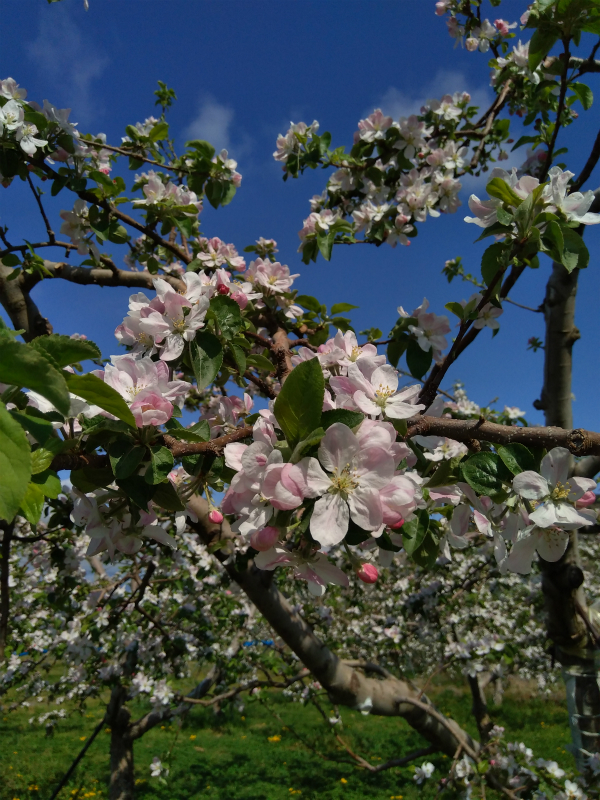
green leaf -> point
(125, 458)
(419, 541)
(90, 478)
(239, 356)
(22, 365)
(325, 240)
(161, 463)
(575, 252)
(303, 446)
(260, 362)
(396, 349)
(11, 260)
(446, 474)
(159, 131)
(356, 535)
(309, 302)
(138, 490)
(498, 187)
(339, 308)
(166, 497)
(206, 355)
(205, 149)
(584, 94)
(349, 418)
(517, 458)
(15, 464)
(542, 41)
(95, 391)
(41, 429)
(504, 217)
(418, 360)
(484, 472)
(299, 403)
(554, 240)
(455, 308)
(41, 460)
(200, 432)
(32, 503)
(49, 483)
(492, 261)
(227, 314)
(66, 351)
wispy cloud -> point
(397, 103)
(68, 62)
(212, 123)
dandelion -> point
(274, 738)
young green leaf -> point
(206, 355)
(15, 464)
(418, 360)
(66, 351)
(22, 365)
(90, 388)
(299, 403)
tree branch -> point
(345, 685)
(96, 276)
(23, 312)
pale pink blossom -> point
(350, 487)
(316, 568)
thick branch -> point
(579, 442)
(23, 312)
(282, 354)
(96, 276)
(561, 335)
(345, 685)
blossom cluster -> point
(414, 176)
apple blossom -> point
(351, 489)
(316, 569)
(553, 493)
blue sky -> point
(242, 70)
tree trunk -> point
(562, 580)
(122, 783)
(7, 530)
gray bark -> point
(562, 581)
(122, 782)
(23, 312)
(385, 696)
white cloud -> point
(68, 62)
(212, 123)
(397, 103)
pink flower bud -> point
(222, 289)
(367, 573)
(215, 516)
(264, 539)
(397, 525)
(588, 499)
(472, 44)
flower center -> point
(561, 491)
(382, 393)
(344, 482)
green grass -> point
(230, 757)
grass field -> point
(275, 750)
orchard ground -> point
(273, 750)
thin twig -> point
(38, 200)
